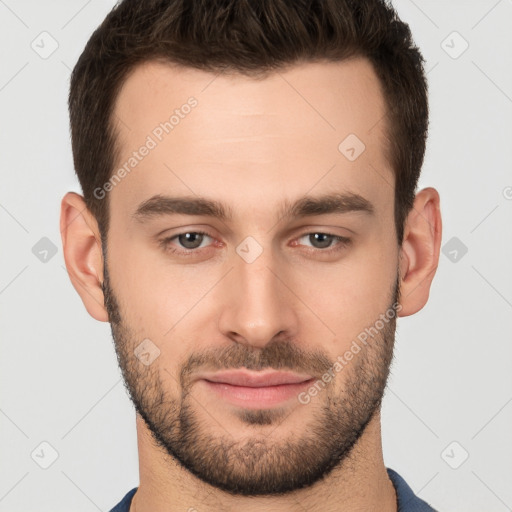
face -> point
(244, 244)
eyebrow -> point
(160, 205)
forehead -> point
(231, 135)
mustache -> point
(278, 355)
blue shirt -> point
(407, 500)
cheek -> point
(159, 300)
(135, 282)
(352, 294)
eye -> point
(189, 241)
(324, 241)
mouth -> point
(255, 390)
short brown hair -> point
(252, 38)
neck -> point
(361, 483)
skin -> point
(251, 144)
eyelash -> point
(343, 242)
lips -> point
(254, 379)
(254, 390)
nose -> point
(257, 305)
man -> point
(250, 228)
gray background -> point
(450, 393)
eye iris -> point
(190, 238)
(325, 240)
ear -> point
(419, 254)
(81, 244)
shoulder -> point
(124, 504)
(407, 500)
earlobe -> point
(81, 244)
(419, 254)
